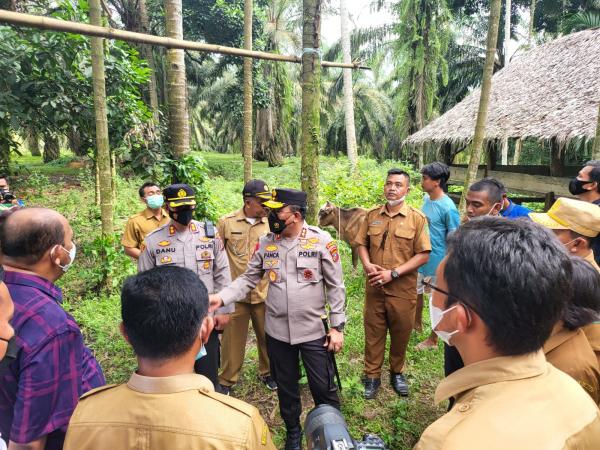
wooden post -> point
(548, 200)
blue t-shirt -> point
(515, 211)
(442, 218)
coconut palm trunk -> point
(148, 55)
(506, 61)
(348, 97)
(311, 105)
(179, 127)
(596, 149)
(102, 148)
(484, 99)
(247, 133)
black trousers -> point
(285, 369)
(209, 365)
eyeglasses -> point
(449, 295)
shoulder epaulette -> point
(98, 389)
(232, 402)
(162, 227)
(418, 211)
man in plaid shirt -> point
(53, 368)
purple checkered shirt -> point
(53, 369)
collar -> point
(34, 281)
(149, 214)
(240, 216)
(169, 385)
(489, 371)
(559, 336)
(403, 210)
(508, 210)
(592, 260)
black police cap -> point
(257, 188)
(180, 194)
(282, 197)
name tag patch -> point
(161, 251)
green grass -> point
(97, 309)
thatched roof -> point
(552, 91)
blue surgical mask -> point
(202, 353)
(155, 201)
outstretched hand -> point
(214, 302)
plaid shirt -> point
(54, 368)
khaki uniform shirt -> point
(304, 274)
(571, 352)
(394, 239)
(514, 402)
(139, 225)
(193, 250)
(240, 238)
(178, 412)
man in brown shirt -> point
(139, 225)
(240, 232)
(394, 243)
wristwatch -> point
(340, 327)
(395, 274)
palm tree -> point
(348, 101)
(247, 135)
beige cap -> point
(569, 214)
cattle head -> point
(327, 215)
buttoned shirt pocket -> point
(308, 270)
(204, 258)
(404, 239)
(375, 234)
(168, 256)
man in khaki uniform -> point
(394, 243)
(240, 231)
(499, 293)
(183, 242)
(576, 224)
(165, 405)
(303, 266)
(139, 225)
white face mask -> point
(396, 202)
(436, 314)
(71, 253)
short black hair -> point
(437, 171)
(396, 171)
(298, 209)
(28, 240)
(595, 172)
(162, 311)
(584, 306)
(515, 275)
(494, 188)
(144, 186)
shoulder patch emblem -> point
(307, 274)
(166, 259)
(271, 248)
(333, 250)
(164, 243)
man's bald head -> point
(28, 233)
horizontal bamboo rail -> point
(48, 23)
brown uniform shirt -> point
(178, 412)
(240, 238)
(139, 225)
(592, 331)
(513, 402)
(394, 239)
(304, 274)
(571, 352)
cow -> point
(347, 222)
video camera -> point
(326, 429)
(6, 197)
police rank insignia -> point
(204, 239)
(164, 243)
(166, 259)
(308, 274)
(193, 227)
(171, 230)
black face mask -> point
(11, 354)
(576, 186)
(276, 225)
(184, 216)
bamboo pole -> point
(48, 23)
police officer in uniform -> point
(303, 266)
(183, 242)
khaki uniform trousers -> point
(382, 313)
(233, 342)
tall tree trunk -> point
(32, 137)
(102, 149)
(51, 147)
(506, 61)
(484, 99)
(247, 134)
(596, 148)
(348, 95)
(148, 55)
(531, 20)
(518, 148)
(557, 158)
(179, 127)
(311, 105)
(269, 139)
(75, 144)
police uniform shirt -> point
(393, 239)
(177, 412)
(513, 402)
(304, 274)
(191, 249)
(139, 225)
(240, 238)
